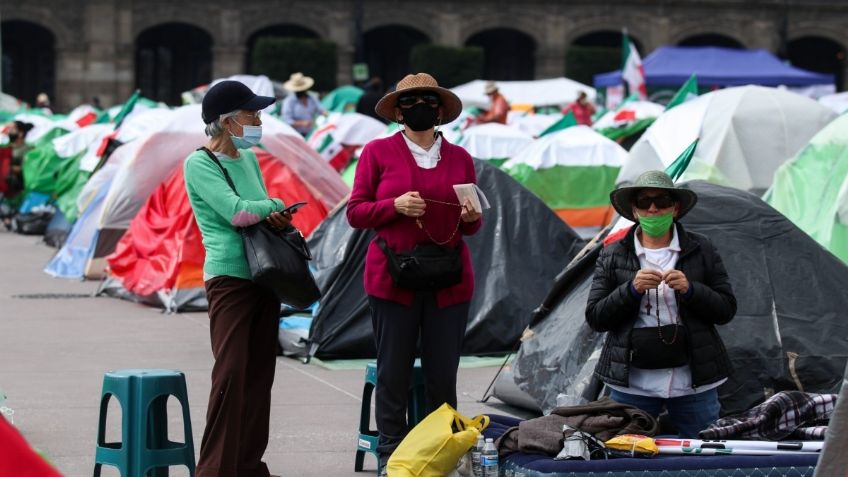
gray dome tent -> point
(516, 254)
(789, 331)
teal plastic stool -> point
(144, 447)
(416, 411)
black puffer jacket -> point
(613, 308)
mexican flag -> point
(688, 91)
(632, 71)
(566, 122)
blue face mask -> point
(250, 136)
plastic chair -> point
(416, 410)
(144, 447)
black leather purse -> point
(426, 267)
(648, 349)
(278, 259)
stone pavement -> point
(54, 351)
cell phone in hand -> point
(293, 207)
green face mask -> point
(657, 225)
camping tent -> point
(789, 329)
(537, 93)
(520, 247)
(159, 260)
(812, 189)
(573, 171)
(143, 164)
(342, 99)
(338, 138)
(743, 134)
(671, 66)
(494, 142)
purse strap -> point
(223, 169)
(419, 221)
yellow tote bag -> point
(432, 448)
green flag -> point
(127, 109)
(678, 167)
(688, 91)
(566, 122)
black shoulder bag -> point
(428, 266)
(278, 259)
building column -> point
(70, 77)
(550, 55)
(341, 32)
(228, 60)
(449, 31)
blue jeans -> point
(689, 414)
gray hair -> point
(216, 128)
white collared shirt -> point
(426, 159)
(661, 383)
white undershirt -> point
(426, 159)
(661, 383)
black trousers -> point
(398, 332)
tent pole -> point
(580, 254)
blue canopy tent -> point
(671, 66)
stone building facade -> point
(95, 43)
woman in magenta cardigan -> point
(404, 191)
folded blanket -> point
(604, 419)
(777, 418)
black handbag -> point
(278, 259)
(426, 267)
(648, 350)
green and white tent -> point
(812, 189)
(572, 171)
(744, 134)
(494, 142)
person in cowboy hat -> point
(243, 316)
(301, 108)
(658, 293)
(499, 107)
(403, 190)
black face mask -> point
(420, 117)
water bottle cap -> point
(489, 439)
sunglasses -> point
(663, 201)
(410, 100)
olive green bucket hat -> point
(623, 197)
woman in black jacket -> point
(658, 293)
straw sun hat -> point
(298, 82)
(451, 104)
(623, 197)
(491, 87)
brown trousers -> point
(243, 326)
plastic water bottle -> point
(476, 452)
(489, 459)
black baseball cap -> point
(229, 96)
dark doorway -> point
(387, 50)
(595, 53)
(819, 54)
(172, 58)
(509, 55)
(711, 39)
(29, 60)
(277, 31)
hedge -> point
(278, 58)
(450, 66)
(582, 63)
